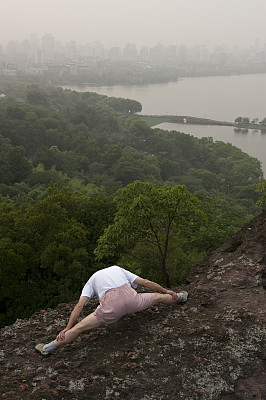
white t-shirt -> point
(108, 278)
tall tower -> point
(48, 47)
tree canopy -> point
(46, 249)
(262, 188)
(152, 215)
(64, 155)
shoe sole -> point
(182, 302)
(42, 354)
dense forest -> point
(85, 182)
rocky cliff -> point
(211, 348)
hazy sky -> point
(144, 22)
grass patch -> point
(151, 121)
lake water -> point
(221, 97)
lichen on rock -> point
(212, 348)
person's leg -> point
(168, 299)
(89, 322)
(160, 298)
(141, 301)
(86, 324)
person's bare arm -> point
(73, 317)
(155, 287)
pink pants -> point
(120, 301)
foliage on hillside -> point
(148, 229)
(262, 188)
(63, 156)
(95, 138)
(46, 249)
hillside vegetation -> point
(67, 162)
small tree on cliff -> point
(262, 188)
(152, 215)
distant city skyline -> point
(45, 54)
(42, 40)
(142, 22)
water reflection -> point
(241, 130)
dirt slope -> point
(211, 348)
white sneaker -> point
(183, 297)
(38, 349)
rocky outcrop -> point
(211, 348)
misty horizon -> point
(142, 22)
(34, 37)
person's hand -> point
(173, 294)
(61, 335)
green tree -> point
(223, 219)
(19, 166)
(14, 166)
(262, 188)
(150, 214)
(197, 179)
(46, 177)
(15, 284)
(44, 245)
(37, 96)
(133, 165)
(15, 112)
(125, 106)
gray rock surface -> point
(211, 348)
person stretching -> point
(115, 289)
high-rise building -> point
(12, 47)
(71, 50)
(48, 47)
(144, 53)
(35, 47)
(183, 53)
(115, 53)
(130, 52)
(157, 54)
(98, 50)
